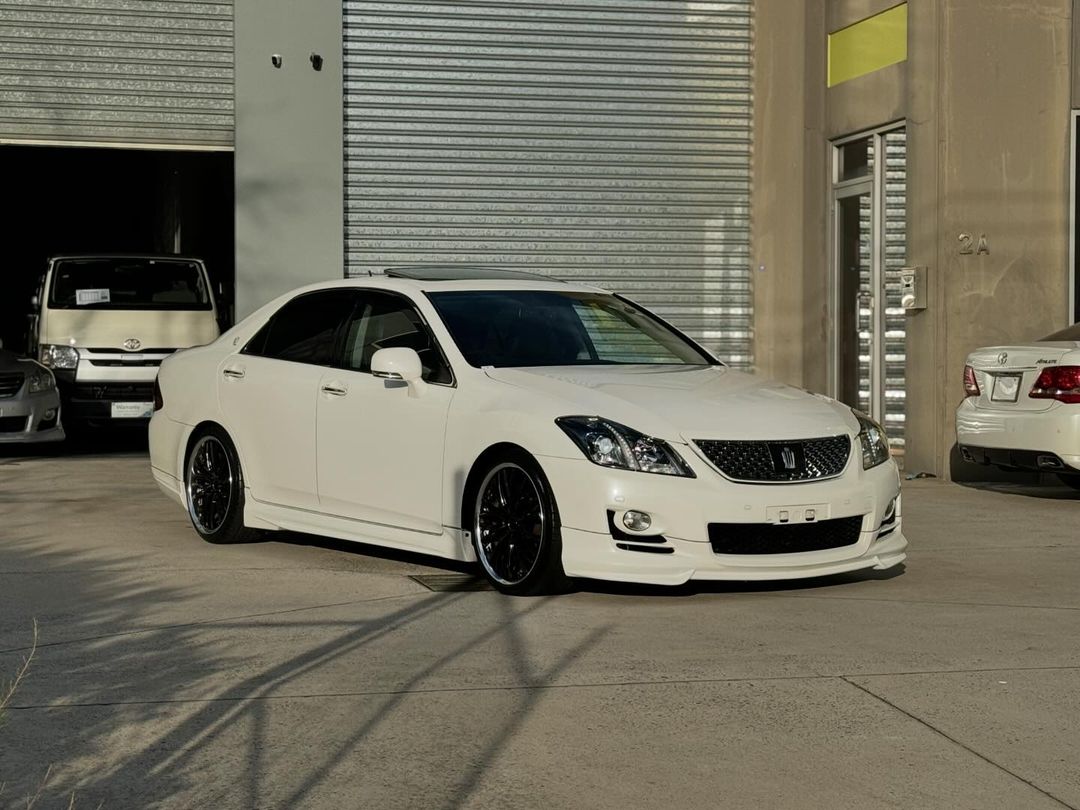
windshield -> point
(547, 328)
(128, 284)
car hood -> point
(685, 402)
(9, 361)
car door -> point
(380, 450)
(268, 392)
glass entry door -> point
(869, 250)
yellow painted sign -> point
(868, 45)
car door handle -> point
(233, 373)
(334, 390)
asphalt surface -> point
(303, 672)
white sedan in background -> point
(543, 429)
(1021, 408)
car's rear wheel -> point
(214, 485)
(515, 527)
(1070, 479)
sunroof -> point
(449, 272)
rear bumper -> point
(1020, 438)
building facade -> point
(766, 175)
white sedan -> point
(1021, 408)
(543, 429)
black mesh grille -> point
(114, 392)
(763, 461)
(767, 538)
(10, 384)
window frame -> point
(336, 344)
(358, 294)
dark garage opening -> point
(87, 200)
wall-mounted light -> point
(316, 61)
(276, 60)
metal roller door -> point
(605, 140)
(117, 71)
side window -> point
(304, 329)
(384, 321)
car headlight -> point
(610, 444)
(59, 356)
(875, 445)
(41, 381)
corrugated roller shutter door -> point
(605, 141)
(117, 71)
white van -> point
(104, 323)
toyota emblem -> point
(132, 344)
(1003, 358)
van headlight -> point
(42, 380)
(53, 356)
(872, 439)
(610, 444)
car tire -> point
(513, 520)
(214, 488)
(1070, 479)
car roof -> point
(154, 256)
(457, 278)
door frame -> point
(874, 183)
(1072, 312)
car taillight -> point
(159, 403)
(971, 385)
(1058, 382)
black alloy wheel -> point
(515, 529)
(214, 489)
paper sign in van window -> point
(87, 297)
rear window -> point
(128, 284)
(1068, 333)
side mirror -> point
(34, 301)
(400, 364)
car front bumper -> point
(1020, 438)
(25, 418)
(677, 547)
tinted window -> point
(304, 329)
(383, 321)
(547, 328)
(128, 284)
(1068, 333)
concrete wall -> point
(786, 207)
(1001, 169)
(289, 195)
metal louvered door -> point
(870, 237)
(141, 72)
(605, 141)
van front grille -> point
(11, 383)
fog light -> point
(636, 521)
(50, 414)
(890, 512)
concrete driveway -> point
(308, 673)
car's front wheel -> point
(515, 527)
(214, 485)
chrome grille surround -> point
(10, 383)
(752, 461)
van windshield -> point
(123, 283)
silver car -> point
(29, 402)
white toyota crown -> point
(1021, 407)
(544, 429)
